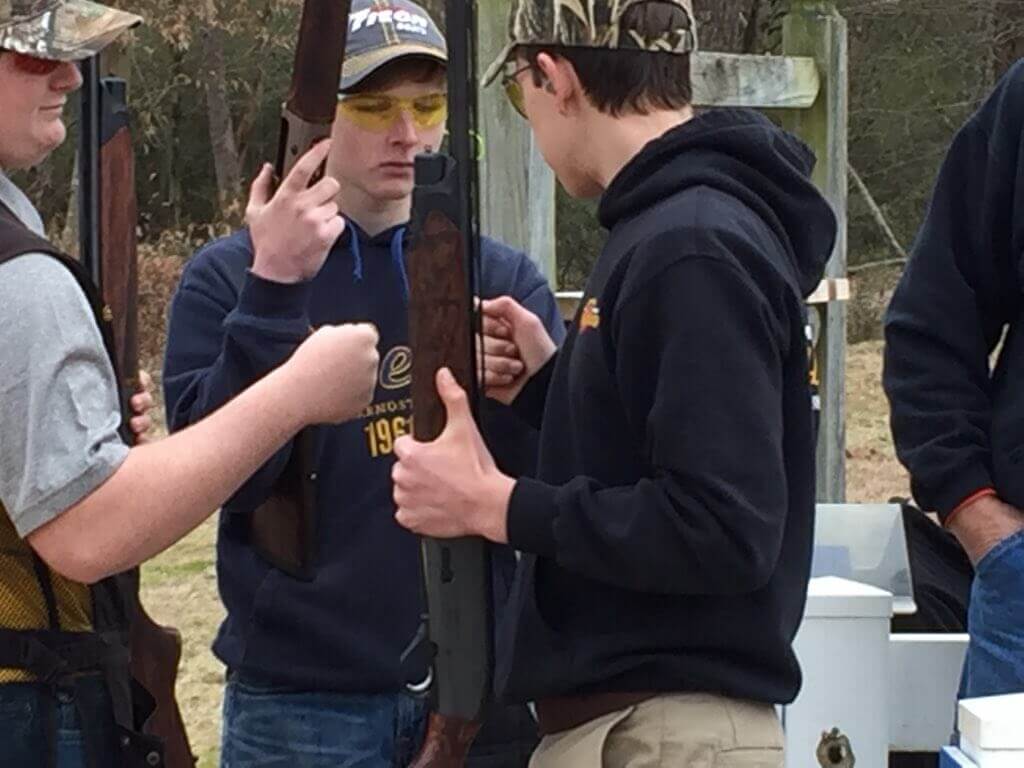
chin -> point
(579, 188)
(395, 190)
(26, 160)
(574, 179)
(50, 141)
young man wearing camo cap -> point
(77, 505)
(667, 537)
(314, 673)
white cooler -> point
(843, 648)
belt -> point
(563, 713)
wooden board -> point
(734, 80)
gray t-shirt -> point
(59, 411)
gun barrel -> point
(88, 171)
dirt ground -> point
(179, 587)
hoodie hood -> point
(743, 154)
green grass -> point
(179, 589)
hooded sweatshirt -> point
(346, 629)
(958, 424)
(669, 529)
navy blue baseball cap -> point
(380, 31)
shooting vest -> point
(52, 628)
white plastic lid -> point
(994, 722)
(833, 597)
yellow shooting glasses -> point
(513, 89)
(378, 111)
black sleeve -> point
(529, 405)
(952, 304)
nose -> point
(66, 78)
(403, 131)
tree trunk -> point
(722, 26)
(226, 162)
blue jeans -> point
(267, 727)
(995, 620)
(24, 732)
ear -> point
(560, 80)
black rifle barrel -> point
(89, 171)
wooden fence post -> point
(517, 194)
(816, 29)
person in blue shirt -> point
(314, 672)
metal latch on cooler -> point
(834, 750)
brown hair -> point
(628, 79)
(416, 69)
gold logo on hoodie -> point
(396, 368)
(591, 316)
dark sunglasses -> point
(32, 65)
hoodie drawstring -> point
(398, 257)
(357, 256)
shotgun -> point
(455, 636)
(107, 220)
(284, 526)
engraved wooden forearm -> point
(447, 742)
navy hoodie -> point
(958, 424)
(346, 629)
(670, 527)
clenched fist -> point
(294, 230)
(515, 346)
(334, 372)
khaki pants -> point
(676, 731)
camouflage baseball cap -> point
(63, 30)
(588, 24)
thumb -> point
(461, 426)
(456, 402)
(260, 192)
(507, 309)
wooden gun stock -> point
(447, 742)
(308, 112)
(109, 251)
(283, 528)
(442, 283)
(156, 656)
(456, 572)
(155, 650)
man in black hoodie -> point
(667, 537)
(957, 420)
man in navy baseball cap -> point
(315, 678)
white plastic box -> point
(992, 730)
(843, 648)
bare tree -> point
(226, 160)
(731, 26)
